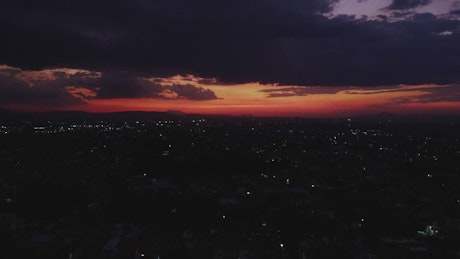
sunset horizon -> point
(192, 94)
(294, 58)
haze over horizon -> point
(281, 58)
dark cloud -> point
(455, 12)
(449, 93)
(407, 4)
(192, 92)
(124, 85)
(285, 91)
(18, 92)
(299, 91)
(64, 87)
(421, 93)
(269, 41)
(388, 89)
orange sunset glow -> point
(249, 99)
(82, 90)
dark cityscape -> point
(189, 186)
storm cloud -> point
(407, 4)
(269, 41)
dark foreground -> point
(229, 188)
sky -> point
(259, 57)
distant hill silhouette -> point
(80, 115)
(416, 117)
(6, 114)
